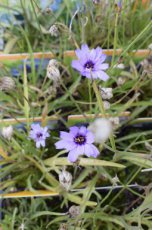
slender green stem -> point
(99, 98)
(101, 107)
(26, 96)
(115, 37)
(90, 95)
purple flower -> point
(78, 142)
(39, 134)
(119, 5)
(90, 63)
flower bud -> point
(106, 105)
(106, 93)
(114, 121)
(74, 211)
(7, 83)
(54, 31)
(52, 90)
(63, 227)
(7, 132)
(147, 65)
(65, 179)
(53, 72)
(121, 80)
(118, 6)
(119, 66)
(48, 10)
(101, 128)
(22, 227)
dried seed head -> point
(53, 62)
(74, 211)
(53, 72)
(65, 179)
(147, 65)
(106, 93)
(7, 132)
(63, 227)
(48, 10)
(106, 105)
(121, 80)
(101, 128)
(54, 31)
(7, 84)
(114, 121)
(52, 91)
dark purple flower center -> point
(89, 65)
(39, 135)
(80, 140)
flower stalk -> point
(101, 107)
(115, 38)
(26, 96)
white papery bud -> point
(65, 179)
(74, 211)
(53, 72)
(48, 10)
(51, 91)
(121, 80)
(22, 227)
(150, 46)
(7, 83)
(114, 121)
(147, 65)
(7, 132)
(101, 128)
(54, 31)
(63, 226)
(119, 66)
(106, 105)
(106, 93)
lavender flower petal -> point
(73, 155)
(89, 63)
(63, 144)
(79, 141)
(90, 137)
(77, 65)
(66, 136)
(91, 151)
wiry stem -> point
(101, 107)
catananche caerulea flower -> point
(39, 134)
(78, 141)
(90, 63)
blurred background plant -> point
(27, 23)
